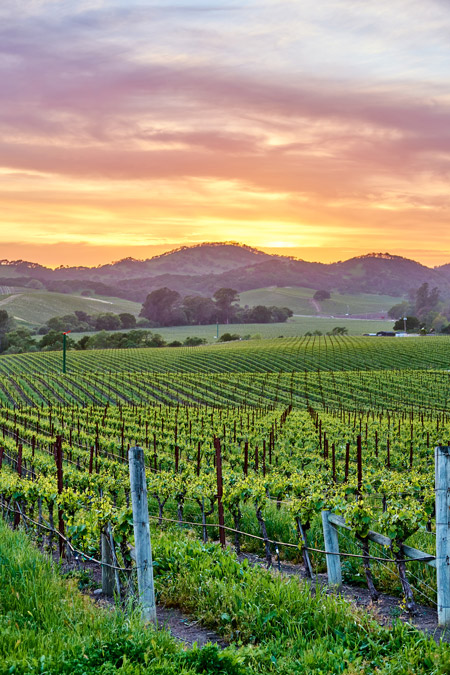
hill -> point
(382, 273)
(207, 267)
(444, 271)
(208, 258)
(301, 301)
(34, 308)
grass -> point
(34, 308)
(294, 327)
(275, 625)
(48, 627)
(299, 299)
(292, 632)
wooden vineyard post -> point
(442, 465)
(331, 540)
(220, 493)
(107, 562)
(59, 474)
(19, 471)
(141, 528)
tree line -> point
(162, 307)
(18, 340)
(423, 310)
(165, 307)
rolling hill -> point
(207, 267)
(34, 308)
(301, 301)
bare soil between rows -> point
(185, 628)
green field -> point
(34, 308)
(271, 356)
(343, 424)
(294, 327)
(300, 300)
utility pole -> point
(64, 349)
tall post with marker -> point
(64, 349)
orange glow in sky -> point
(317, 130)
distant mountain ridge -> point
(204, 268)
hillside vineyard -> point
(341, 423)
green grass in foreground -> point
(47, 627)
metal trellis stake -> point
(142, 533)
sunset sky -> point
(314, 128)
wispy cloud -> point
(340, 110)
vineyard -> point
(298, 426)
(310, 354)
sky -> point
(318, 129)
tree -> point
(54, 341)
(58, 323)
(194, 341)
(83, 343)
(260, 314)
(5, 321)
(412, 323)
(158, 306)
(199, 310)
(322, 295)
(155, 340)
(35, 284)
(82, 316)
(339, 330)
(439, 322)
(145, 323)
(400, 310)
(19, 341)
(228, 337)
(425, 300)
(6, 325)
(127, 320)
(280, 314)
(224, 299)
(178, 316)
(107, 321)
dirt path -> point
(10, 299)
(181, 626)
(316, 305)
(185, 628)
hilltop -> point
(204, 268)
